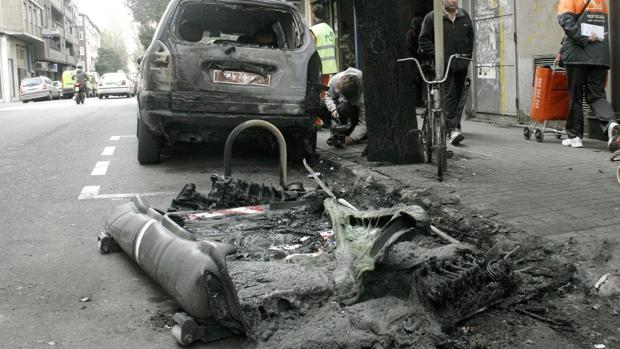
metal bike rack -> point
(261, 124)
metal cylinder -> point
(261, 124)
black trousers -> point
(348, 113)
(453, 89)
(593, 78)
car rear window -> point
(31, 82)
(113, 77)
(238, 24)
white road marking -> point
(108, 151)
(100, 168)
(92, 193)
(118, 138)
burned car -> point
(213, 65)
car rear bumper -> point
(112, 90)
(206, 126)
(34, 95)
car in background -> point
(114, 84)
(68, 82)
(93, 82)
(38, 88)
(58, 85)
(215, 64)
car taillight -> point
(21, 90)
(99, 84)
(44, 87)
(123, 83)
(158, 68)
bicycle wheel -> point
(440, 137)
(427, 138)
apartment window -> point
(81, 36)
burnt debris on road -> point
(285, 268)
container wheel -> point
(527, 133)
(538, 134)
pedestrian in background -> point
(325, 41)
(458, 38)
(585, 54)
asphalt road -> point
(63, 168)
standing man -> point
(458, 38)
(325, 41)
(585, 52)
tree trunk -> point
(389, 89)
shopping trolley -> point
(550, 102)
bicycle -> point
(433, 130)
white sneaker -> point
(456, 137)
(573, 142)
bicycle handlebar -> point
(457, 55)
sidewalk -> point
(543, 188)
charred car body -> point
(215, 64)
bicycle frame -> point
(434, 124)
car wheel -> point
(301, 147)
(149, 145)
(100, 96)
(25, 102)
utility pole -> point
(439, 56)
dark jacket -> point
(576, 49)
(458, 38)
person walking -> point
(325, 41)
(458, 39)
(586, 56)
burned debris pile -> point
(294, 267)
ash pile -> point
(310, 272)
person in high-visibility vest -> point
(585, 53)
(325, 41)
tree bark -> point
(389, 89)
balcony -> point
(57, 5)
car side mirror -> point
(139, 60)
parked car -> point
(93, 82)
(114, 84)
(215, 64)
(67, 83)
(58, 85)
(39, 88)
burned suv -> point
(214, 64)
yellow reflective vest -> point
(326, 47)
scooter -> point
(80, 96)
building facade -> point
(40, 38)
(89, 37)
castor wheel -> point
(558, 134)
(181, 338)
(538, 134)
(107, 244)
(527, 133)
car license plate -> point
(240, 78)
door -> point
(495, 74)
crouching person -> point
(343, 108)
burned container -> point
(192, 272)
(214, 64)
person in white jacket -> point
(344, 104)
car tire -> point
(25, 102)
(100, 96)
(299, 148)
(149, 145)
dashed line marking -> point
(101, 168)
(92, 193)
(118, 138)
(108, 151)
